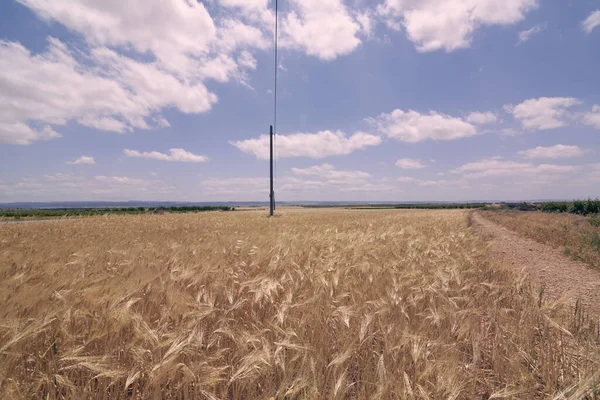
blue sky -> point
(390, 100)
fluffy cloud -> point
(227, 187)
(83, 160)
(151, 55)
(164, 28)
(313, 145)
(321, 28)
(441, 183)
(250, 4)
(117, 94)
(510, 132)
(526, 35)
(316, 182)
(180, 34)
(498, 167)
(15, 132)
(558, 151)
(365, 19)
(82, 187)
(593, 118)
(407, 179)
(543, 113)
(408, 163)
(122, 180)
(482, 118)
(449, 24)
(591, 22)
(413, 127)
(175, 155)
(328, 171)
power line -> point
(275, 90)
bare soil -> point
(548, 267)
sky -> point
(378, 100)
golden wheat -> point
(309, 305)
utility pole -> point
(272, 192)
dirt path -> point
(548, 267)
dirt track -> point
(548, 267)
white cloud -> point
(413, 127)
(165, 28)
(83, 160)
(314, 187)
(543, 113)
(365, 19)
(249, 4)
(593, 118)
(482, 118)
(498, 167)
(441, 183)
(449, 24)
(445, 183)
(151, 55)
(526, 35)
(591, 22)
(314, 182)
(407, 179)
(408, 163)
(122, 180)
(15, 132)
(74, 187)
(175, 155)
(510, 132)
(328, 171)
(321, 28)
(59, 177)
(180, 34)
(222, 187)
(247, 60)
(118, 94)
(558, 151)
(314, 145)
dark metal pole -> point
(272, 192)
(274, 128)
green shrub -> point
(596, 242)
(592, 206)
(552, 207)
(595, 220)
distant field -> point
(16, 214)
(578, 236)
(312, 304)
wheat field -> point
(320, 304)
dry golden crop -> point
(326, 304)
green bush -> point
(577, 207)
(552, 207)
(595, 220)
(596, 242)
(592, 206)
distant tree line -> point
(86, 212)
(440, 206)
(580, 207)
(427, 206)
